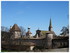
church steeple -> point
(50, 25)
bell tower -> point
(50, 25)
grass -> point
(4, 51)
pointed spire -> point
(50, 25)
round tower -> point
(49, 38)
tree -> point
(23, 31)
(4, 29)
(65, 30)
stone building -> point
(28, 34)
(42, 39)
(16, 32)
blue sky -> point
(35, 14)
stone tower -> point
(49, 38)
(16, 32)
(28, 34)
(50, 26)
(38, 33)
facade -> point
(45, 39)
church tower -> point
(50, 26)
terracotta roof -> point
(15, 28)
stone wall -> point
(60, 43)
(17, 44)
(38, 42)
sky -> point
(35, 14)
